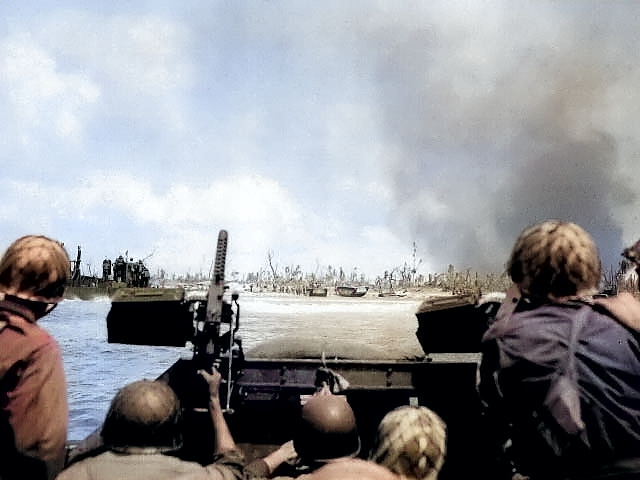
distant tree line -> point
(291, 278)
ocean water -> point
(95, 369)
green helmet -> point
(34, 268)
(326, 430)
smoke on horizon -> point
(510, 117)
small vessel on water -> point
(262, 396)
(317, 291)
(392, 293)
(348, 291)
(119, 274)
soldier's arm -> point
(39, 410)
(224, 439)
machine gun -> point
(207, 319)
(210, 347)
(175, 317)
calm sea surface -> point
(96, 369)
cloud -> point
(39, 97)
(512, 134)
(179, 227)
(328, 134)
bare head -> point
(34, 268)
(411, 441)
(144, 414)
(555, 259)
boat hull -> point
(262, 397)
(266, 401)
(267, 393)
(150, 316)
(453, 324)
(352, 291)
(317, 292)
(89, 293)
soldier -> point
(326, 432)
(119, 269)
(106, 269)
(146, 276)
(411, 442)
(139, 273)
(33, 401)
(131, 277)
(142, 429)
(560, 368)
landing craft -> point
(350, 291)
(262, 396)
(126, 273)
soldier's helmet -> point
(411, 442)
(326, 430)
(144, 415)
(555, 259)
(35, 268)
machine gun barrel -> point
(207, 345)
(211, 346)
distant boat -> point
(392, 293)
(347, 291)
(90, 287)
(317, 291)
(91, 292)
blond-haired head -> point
(555, 259)
(411, 442)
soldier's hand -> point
(288, 452)
(323, 390)
(213, 379)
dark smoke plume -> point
(503, 124)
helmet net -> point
(411, 441)
(555, 259)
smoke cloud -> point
(501, 118)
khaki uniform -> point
(153, 465)
(33, 397)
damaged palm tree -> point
(632, 254)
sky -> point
(322, 133)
